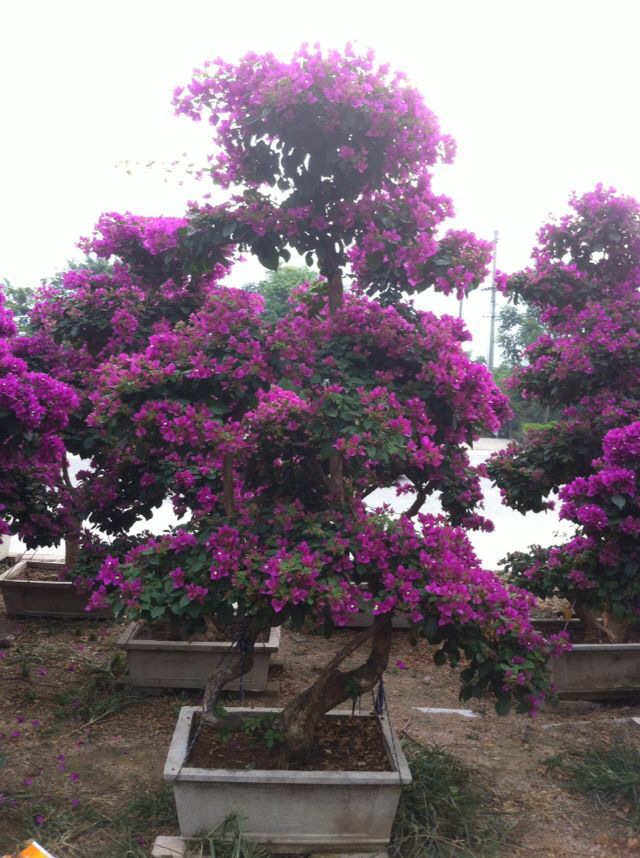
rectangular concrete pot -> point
(361, 620)
(24, 598)
(185, 664)
(597, 672)
(292, 811)
(553, 625)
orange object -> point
(32, 850)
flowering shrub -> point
(585, 279)
(34, 411)
(334, 155)
(87, 316)
(272, 434)
(598, 569)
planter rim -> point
(176, 771)
(128, 641)
(11, 575)
(604, 647)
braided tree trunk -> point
(301, 716)
(610, 629)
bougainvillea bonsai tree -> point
(34, 411)
(276, 432)
(598, 570)
(585, 280)
(85, 316)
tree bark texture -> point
(240, 661)
(302, 715)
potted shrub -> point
(34, 412)
(32, 587)
(79, 320)
(597, 571)
(277, 432)
(175, 643)
(584, 282)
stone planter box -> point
(24, 598)
(292, 811)
(598, 672)
(553, 625)
(363, 621)
(185, 664)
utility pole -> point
(492, 330)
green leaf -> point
(270, 259)
(439, 658)
(375, 260)
(156, 612)
(619, 500)
(503, 706)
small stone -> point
(169, 847)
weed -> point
(446, 812)
(95, 695)
(607, 774)
(123, 831)
(226, 841)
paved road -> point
(513, 531)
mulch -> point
(342, 744)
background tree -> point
(518, 327)
(276, 288)
(19, 300)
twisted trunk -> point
(72, 539)
(228, 497)
(302, 715)
(336, 478)
(239, 662)
(611, 629)
(71, 548)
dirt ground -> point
(76, 749)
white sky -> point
(542, 98)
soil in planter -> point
(39, 574)
(578, 636)
(342, 744)
(164, 631)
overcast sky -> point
(542, 98)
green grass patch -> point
(96, 693)
(447, 811)
(93, 828)
(609, 775)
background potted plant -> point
(597, 569)
(584, 285)
(78, 321)
(277, 432)
(34, 411)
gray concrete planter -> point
(597, 672)
(25, 598)
(292, 811)
(184, 664)
(362, 620)
(553, 625)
